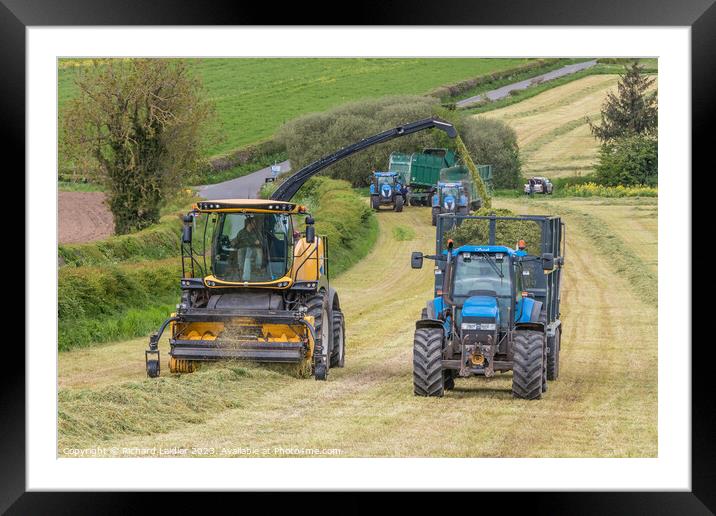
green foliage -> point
(313, 136)
(156, 242)
(631, 111)
(96, 304)
(507, 233)
(142, 125)
(492, 141)
(629, 161)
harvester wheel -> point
(318, 308)
(152, 368)
(528, 364)
(553, 355)
(338, 353)
(399, 201)
(428, 379)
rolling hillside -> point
(255, 96)
(552, 130)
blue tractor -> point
(494, 309)
(387, 189)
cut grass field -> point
(255, 96)
(603, 405)
(552, 131)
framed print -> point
(383, 257)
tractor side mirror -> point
(416, 260)
(310, 230)
(186, 231)
(548, 261)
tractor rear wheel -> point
(428, 379)
(399, 201)
(318, 308)
(553, 355)
(528, 364)
(338, 353)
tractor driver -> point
(250, 244)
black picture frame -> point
(700, 15)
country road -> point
(244, 187)
(501, 93)
(603, 405)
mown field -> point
(255, 96)
(603, 405)
(552, 130)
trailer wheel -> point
(399, 201)
(318, 308)
(338, 353)
(528, 364)
(428, 379)
(553, 355)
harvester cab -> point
(495, 308)
(255, 286)
(387, 189)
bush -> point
(312, 136)
(628, 161)
(596, 190)
(491, 141)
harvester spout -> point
(290, 187)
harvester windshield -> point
(253, 247)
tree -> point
(142, 125)
(630, 160)
(493, 142)
(631, 111)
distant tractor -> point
(387, 189)
(540, 185)
(494, 309)
(455, 193)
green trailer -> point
(421, 171)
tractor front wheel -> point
(436, 212)
(375, 202)
(399, 201)
(338, 353)
(428, 379)
(528, 364)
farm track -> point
(603, 405)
